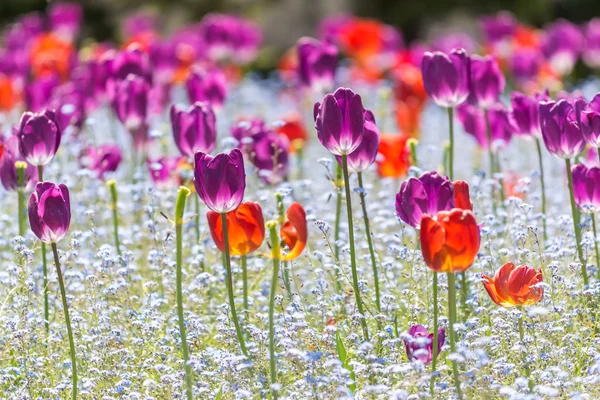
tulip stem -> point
(488, 131)
(451, 148)
(338, 210)
(369, 241)
(44, 266)
(182, 195)
(435, 333)
(359, 304)
(229, 283)
(244, 262)
(596, 244)
(275, 251)
(21, 197)
(464, 294)
(67, 320)
(543, 185)
(576, 223)
(197, 219)
(112, 186)
(452, 335)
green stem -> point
(543, 184)
(576, 223)
(182, 195)
(452, 334)
(44, 267)
(67, 321)
(464, 294)
(229, 283)
(275, 251)
(20, 166)
(338, 210)
(359, 304)
(370, 242)
(488, 131)
(451, 148)
(596, 244)
(112, 186)
(244, 262)
(435, 333)
(197, 219)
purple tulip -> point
(194, 129)
(591, 50)
(450, 42)
(247, 41)
(590, 122)
(446, 77)
(162, 170)
(39, 137)
(427, 194)
(586, 186)
(562, 42)
(317, 62)
(330, 27)
(487, 81)
(473, 120)
(496, 28)
(65, 19)
(38, 92)
(268, 152)
(247, 128)
(137, 24)
(525, 113)
(123, 64)
(419, 346)
(207, 86)
(130, 102)
(525, 64)
(69, 102)
(220, 181)
(8, 171)
(366, 153)
(228, 37)
(561, 128)
(339, 121)
(103, 159)
(50, 211)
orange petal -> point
(433, 241)
(245, 228)
(462, 199)
(216, 229)
(462, 239)
(501, 279)
(294, 231)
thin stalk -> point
(244, 262)
(596, 244)
(543, 184)
(435, 333)
(359, 304)
(44, 266)
(338, 210)
(488, 131)
(464, 294)
(452, 334)
(197, 225)
(576, 223)
(20, 166)
(522, 337)
(67, 321)
(275, 252)
(182, 195)
(451, 148)
(370, 242)
(229, 283)
(112, 186)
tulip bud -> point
(446, 77)
(586, 186)
(207, 86)
(366, 152)
(245, 228)
(420, 344)
(8, 172)
(561, 127)
(130, 102)
(50, 212)
(487, 81)
(39, 137)
(317, 62)
(194, 129)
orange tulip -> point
(462, 199)
(514, 286)
(293, 128)
(294, 231)
(8, 96)
(51, 55)
(393, 159)
(245, 228)
(450, 240)
(410, 96)
(362, 38)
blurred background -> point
(284, 21)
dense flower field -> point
(375, 220)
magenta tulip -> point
(50, 212)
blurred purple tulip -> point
(228, 37)
(317, 62)
(427, 194)
(120, 65)
(194, 129)
(586, 186)
(457, 40)
(68, 100)
(560, 124)
(65, 19)
(38, 92)
(247, 128)
(487, 81)
(139, 23)
(498, 27)
(220, 181)
(39, 137)
(419, 346)
(525, 64)
(207, 86)
(8, 171)
(591, 49)
(339, 121)
(50, 212)
(268, 152)
(103, 159)
(473, 120)
(366, 153)
(130, 102)
(590, 122)
(524, 115)
(330, 27)
(162, 170)
(446, 77)
(562, 42)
